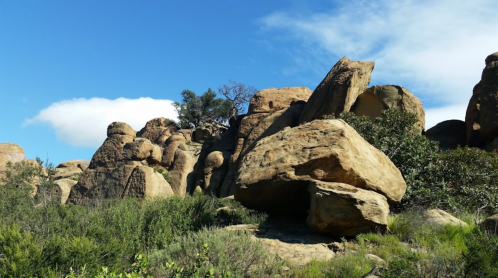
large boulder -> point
(375, 99)
(62, 188)
(339, 89)
(450, 134)
(482, 112)
(274, 176)
(111, 151)
(272, 99)
(206, 132)
(343, 210)
(10, 152)
(439, 217)
(215, 169)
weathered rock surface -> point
(339, 89)
(215, 169)
(343, 210)
(10, 152)
(449, 134)
(120, 167)
(158, 130)
(272, 99)
(440, 218)
(375, 99)
(274, 176)
(71, 169)
(63, 187)
(206, 132)
(482, 112)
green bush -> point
(461, 179)
(481, 257)
(228, 251)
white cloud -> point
(83, 122)
(435, 48)
(433, 116)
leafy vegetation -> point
(207, 108)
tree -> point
(206, 108)
(238, 94)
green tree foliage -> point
(207, 108)
(194, 110)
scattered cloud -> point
(435, 48)
(83, 122)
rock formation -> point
(282, 157)
(339, 89)
(449, 134)
(10, 152)
(375, 99)
(482, 112)
(120, 167)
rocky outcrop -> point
(339, 90)
(482, 112)
(450, 134)
(360, 210)
(10, 152)
(272, 99)
(374, 100)
(215, 169)
(125, 165)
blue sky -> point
(69, 68)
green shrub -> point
(228, 251)
(456, 180)
(481, 257)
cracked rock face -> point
(275, 175)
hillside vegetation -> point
(183, 237)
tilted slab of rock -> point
(274, 175)
(343, 210)
(374, 100)
(441, 218)
(272, 99)
(482, 112)
(71, 169)
(339, 89)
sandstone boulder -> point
(158, 130)
(343, 210)
(441, 218)
(207, 132)
(449, 134)
(374, 100)
(215, 169)
(272, 99)
(274, 176)
(339, 89)
(63, 187)
(10, 152)
(71, 169)
(482, 112)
